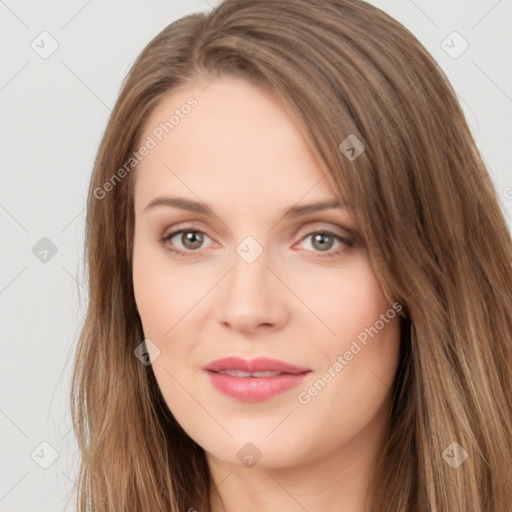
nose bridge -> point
(249, 269)
(251, 294)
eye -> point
(323, 241)
(190, 239)
(189, 242)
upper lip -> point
(260, 364)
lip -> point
(260, 364)
(254, 389)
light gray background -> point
(53, 113)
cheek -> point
(163, 292)
(360, 354)
(147, 287)
(353, 388)
(346, 300)
(162, 305)
(369, 331)
(166, 295)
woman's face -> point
(249, 280)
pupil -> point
(193, 239)
(321, 237)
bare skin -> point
(304, 300)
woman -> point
(299, 277)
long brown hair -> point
(430, 218)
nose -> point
(252, 297)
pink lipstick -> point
(254, 380)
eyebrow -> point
(203, 208)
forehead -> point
(237, 141)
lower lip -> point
(255, 389)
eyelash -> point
(191, 253)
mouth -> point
(254, 380)
(253, 366)
(241, 373)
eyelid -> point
(312, 227)
(187, 226)
(325, 226)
